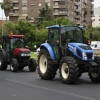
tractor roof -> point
(57, 26)
(13, 36)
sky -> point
(96, 4)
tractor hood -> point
(80, 46)
(81, 50)
(17, 50)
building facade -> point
(96, 17)
(78, 11)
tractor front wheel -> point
(14, 65)
(32, 64)
(68, 70)
(95, 76)
(46, 68)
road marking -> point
(51, 89)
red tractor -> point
(14, 53)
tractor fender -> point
(4, 53)
(49, 49)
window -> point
(24, 4)
(62, 10)
(56, 10)
(39, 4)
(56, 3)
(61, 2)
(24, 11)
(32, 4)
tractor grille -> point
(89, 55)
(79, 53)
(86, 47)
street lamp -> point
(2, 22)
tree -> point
(6, 6)
(27, 29)
(45, 14)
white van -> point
(95, 44)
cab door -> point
(54, 41)
(6, 47)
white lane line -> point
(51, 89)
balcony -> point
(15, 8)
(60, 13)
(83, 6)
(56, 13)
(55, 6)
(15, 1)
(77, 16)
(77, 3)
(13, 14)
(56, 0)
(92, 0)
(84, 19)
(77, 0)
(63, 13)
(77, 10)
(84, 1)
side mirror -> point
(26, 41)
(51, 34)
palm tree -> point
(7, 5)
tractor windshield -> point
(17, 43)
(71, 34)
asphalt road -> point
(25, 85)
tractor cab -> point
(11, 42)
(68, 41)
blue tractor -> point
(66, 50)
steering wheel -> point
(70, 40)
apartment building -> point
(96, 17)
(78, 11)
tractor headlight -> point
(25, 54)
(28, 54)
(84, 56)
(93, 57)
(22, 54)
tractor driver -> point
(17, 43)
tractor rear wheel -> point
(95, 77)
(68, 70)
(46, 68)
(32, 64)
(3, 64)
(14, 65)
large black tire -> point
(14, 65)
(3, 64)
(95, 77)
(68, 70)
(32, 65)
(46, 68)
